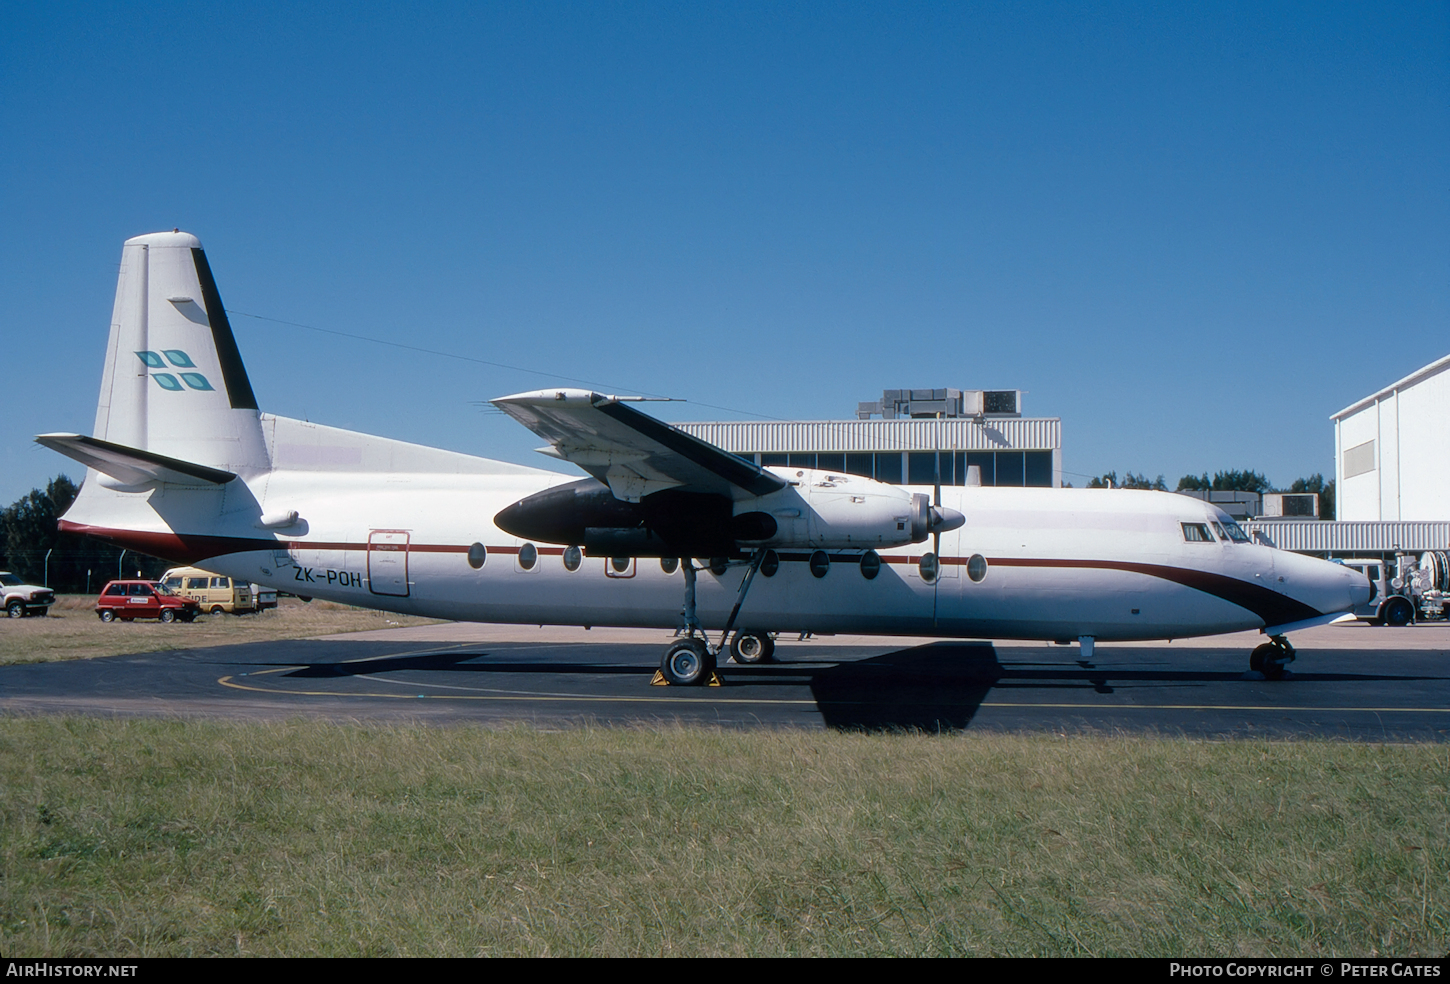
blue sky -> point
(1191, 231)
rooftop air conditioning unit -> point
(1291, 505)
(1002, 403)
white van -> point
(215, 593)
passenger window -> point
(140, 591)
(115, 590)
(1196, 533)
(528, 556)
(195, 583)
(220, 582)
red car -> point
(129, 600)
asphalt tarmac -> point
(1350, 682)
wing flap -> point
(633, 453)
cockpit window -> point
(1235, 533)
(1219, 530)
(1196, 533)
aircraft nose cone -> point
(1359, 589)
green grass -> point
(162, 838)
(72, 631)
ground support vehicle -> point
(212, 592)
(1409, 588)
(130, 600)
(21, 599)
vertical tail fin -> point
(174, 383)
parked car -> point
(23, 599)
(212, 592)
(128, 600)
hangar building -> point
(911, 437)
(1392, 450)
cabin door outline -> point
(388, 563)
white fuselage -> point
(1059, 563)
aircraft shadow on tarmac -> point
(936, 687)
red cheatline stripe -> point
(1273, 607)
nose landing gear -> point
(1272, 658)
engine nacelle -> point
(830, 511)
(818, 510)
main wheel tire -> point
(750, 646)
(16, 609)
(167, 615)
(1261, 657)
(1398, 613)
(107, 615)
(687, 663)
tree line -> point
(1224, 481)
(28, 533)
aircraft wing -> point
(631, 452)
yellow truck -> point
(215, 593)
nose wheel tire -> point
(750, 646)
(687, 663)
(1272, 658)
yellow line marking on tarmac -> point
(227, 681)
(1224, 707)
(512, 695)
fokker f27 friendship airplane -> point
(183, 465)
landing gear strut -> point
(1272, 658)
(691, 661)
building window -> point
(1359, 459)
(1039, 469)
(921, 468)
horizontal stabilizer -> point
(130, 466)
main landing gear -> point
(752, 646)
(691, 661)
(1272, 658)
